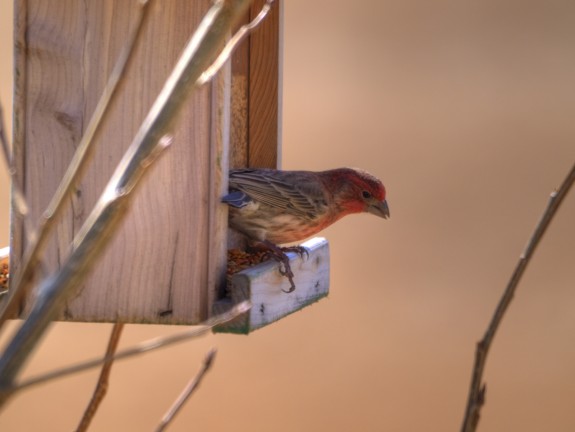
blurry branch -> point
(109, 211)
(6, 149)
(23, 280)
(142, 348)
(54, 291)
(239, 36)
(476, 397)
(102, 385)
(187, 392)
(18, 201)
(21, 284)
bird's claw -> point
(285, 270)
(291, 288)
(300, 250)
(279, 254)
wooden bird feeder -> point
(167, 262)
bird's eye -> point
(366, 194)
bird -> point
(273, 207)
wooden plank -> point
(265, 89)
(240, 103)
(255, 128)
(263, 284)
(166, 264)
(17, 242)
(157, 268)
(256, 93)
(218, 216)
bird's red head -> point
(357, 191)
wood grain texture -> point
(263, 284)
(239, 137)
(256, 93)
(255, 129)
(157, 268)
(18, 131)
(264, 89)
(166, 265)
(218, 229)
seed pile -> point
(4, 275)
(239, 260)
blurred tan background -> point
(466, 111)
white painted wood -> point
(263, 284)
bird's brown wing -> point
(296, 192)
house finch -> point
(272, 207)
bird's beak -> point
(380, 209)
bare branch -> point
(233, 43)
(6, 149)
(57, 289)
(476, 396)
(102, 385)
(187, 392)
(142, 348)
(21, 282)
(113, 204)
(18, 200)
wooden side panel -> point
(255, 138)
(157, 268)
(265, 89)
(239, 134)
(256, 93)
(221, 137)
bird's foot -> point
(279, 254)
(286, 271)
(300, 250)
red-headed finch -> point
(272, 207)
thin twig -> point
(6, 149)
(141, 348)
(22, 281)
(192, 385)
(102, 385)
(18, 200)
(109, 211)
(239, 36)
(54, 291)
(476, 396)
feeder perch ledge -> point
(262, 285)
